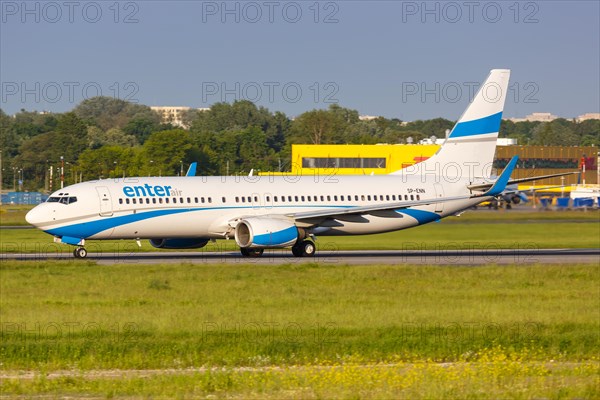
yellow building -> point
(356, 159)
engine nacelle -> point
(265, 233)
(179, 243)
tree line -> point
(103, 137)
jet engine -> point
(179, 243)
(265, 233)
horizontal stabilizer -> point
(500, 185)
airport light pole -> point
(62, 172)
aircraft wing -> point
(339, 212)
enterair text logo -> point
(152, 191)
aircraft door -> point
(439, 193)
(105, 201)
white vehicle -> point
(266, 212)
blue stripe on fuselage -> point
(423, 217)
(86, 229)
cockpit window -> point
(62, 200)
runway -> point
(356, 257)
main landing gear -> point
(80, 252)
(305, 248)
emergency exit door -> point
(105, 201)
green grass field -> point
(300, 331)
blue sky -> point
(404, 59)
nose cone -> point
(35, 216)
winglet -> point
(192, 169)
(500, 184)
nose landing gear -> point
(80, 252)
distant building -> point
(368, 117)
(536, 117)
(173, 115)
(587, 116)
(506, 142)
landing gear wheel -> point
(306, 248)
(246, 252)
(80, 252)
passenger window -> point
(147, 200)
(127, 201)
(160, 200)
(394, 197)
(134, 201)
(405, 197)
(189, 200)
(302, 198)
(387, 197)
(167, 200)
(256, 199)
(243, 199)
(223, 199)
(210, 199)
(154, 200)
(290, 199)
(237, 199)
(322, 198)
(275, 199)
(120, 201)
(418, 197)
(334, 198)
(412, 197)
(362, 197)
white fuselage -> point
(206, 207)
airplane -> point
(271, 212)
